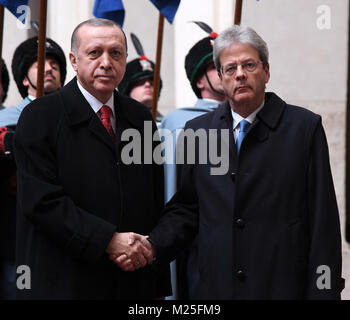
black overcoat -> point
(74, 192)
(268, 227)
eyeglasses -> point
(230, 69)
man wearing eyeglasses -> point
(269, 227)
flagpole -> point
(156, 79)
(1, 35)
(238, 12)
(41, 48)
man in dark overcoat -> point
(77, 199)
(268, 227)
(24, 70)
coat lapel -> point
(125, 114)
(97, 128)
(223, 120)
(126, 118)
(79, 112)
(268, 117)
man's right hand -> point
(130, 251)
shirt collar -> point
(31, 98)
(211, 100)
(237, 118)
(95, 103)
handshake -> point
(130, 251)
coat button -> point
(233, 176)
(240, 223)
(241, 274)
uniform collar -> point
(209, 104)
(30, 97)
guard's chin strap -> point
(45, 92)
(211, 87)
(30, 82)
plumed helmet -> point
(5, 80)
(138, 69)
(199, 57)
(26, 54)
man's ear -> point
(219, 74)
(267, 71)
(199, 83)
(25, 82)
(73, 60)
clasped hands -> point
(130, 251)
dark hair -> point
(5, 80)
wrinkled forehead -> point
(238, 52)
(88, 34)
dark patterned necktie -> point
(243, 128)
(105, 112)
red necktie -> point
(106, 120)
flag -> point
(110, 9)
(12, 5)
(167, 8)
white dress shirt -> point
(237, 119)
(97, 104)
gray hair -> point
(95, 22)
(239, 34)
